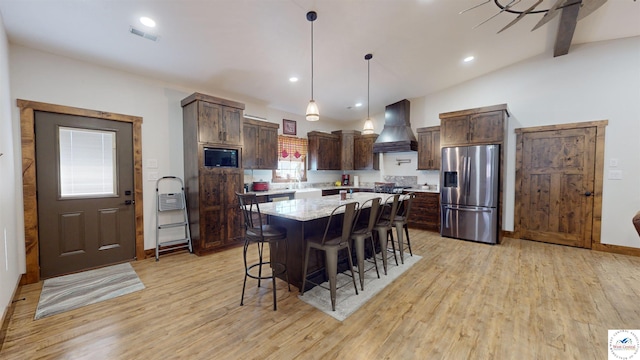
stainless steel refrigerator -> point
(469, 180)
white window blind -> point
(87, 162)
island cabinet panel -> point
(429, 148)
(214, 216)
(363, 156)
(260, 146)
(425, 211)
(474, 126)
(324, 151)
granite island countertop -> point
(311, 209)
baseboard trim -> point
(617, 249)
(8, 312)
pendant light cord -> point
(368, 85)
(311, 60)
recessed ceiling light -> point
(469, 58)
(358, 104)
(293, 79)
(147, 21)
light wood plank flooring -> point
(517, 300)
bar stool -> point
(400, 223)
(331, 245)
(384, 228)
(257, 232)
(360, 235)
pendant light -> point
(368, 123)
(312, 109)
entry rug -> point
(72, 291)
(347, 302)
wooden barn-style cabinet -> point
(486, 125)
(363, 156)
(429, 148)
(324, 151)
(260, 147)
(214, 215)
(425, 211)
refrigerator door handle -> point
(468, 209)
(446, 217)
(468, 173)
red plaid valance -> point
(292, 148)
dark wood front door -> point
(85, 192)
(558, 171)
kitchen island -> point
(304, 218)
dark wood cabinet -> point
(215, 220)
(485, 125)
(347, 140)
(219, 120)
(363, 156)
(260, 146)
(429, 148)
(425, 211)
(324, 151)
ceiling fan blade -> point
(473, 7)
(509, 5)
(589, 6)
(521, 16)
(551, 13)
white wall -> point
(11, 243)
(597, 81)
(49, 78)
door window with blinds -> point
(292, 159)
(87, 163)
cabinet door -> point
(435, 150)
(250, 152)
(486, 127)
(346, 151)
(454, 130)
(425, 147)
(232, 126)
(233, 222)
(268, 148)
(328, 154)
(360, 158)
(212, 212)
(209, 122)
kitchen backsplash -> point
(402, 180)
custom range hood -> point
(396, 136)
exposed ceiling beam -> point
(568, 22)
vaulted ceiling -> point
(252, 47)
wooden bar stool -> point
(259, 233)
(400, 223)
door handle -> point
(588, 193)
(129, 202)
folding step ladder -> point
(173, 204)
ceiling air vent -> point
(143, 34)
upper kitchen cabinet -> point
(324, 151)
(363, 156)
(218, 121)
(486, 125)
(260, 148)
(429, 148)
(347, 139)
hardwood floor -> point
(520, 299)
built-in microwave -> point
(216, 157)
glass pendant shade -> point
(312, 111)
(368, 126)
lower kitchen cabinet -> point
(425, 211)
(215, 217)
